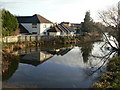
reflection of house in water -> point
(36, 57)
(59, 51)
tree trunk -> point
(118, 35)
(118, 28)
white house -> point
(35, 24)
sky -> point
(58, 10)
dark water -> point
(65, 67)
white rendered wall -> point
(40, 27)
(44, 27)
(54, 33)
(58, 33)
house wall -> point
(72, 33)
(39, 29)
(39, 56)
(44, 27)
(44, 56)
(54, 33)
(29, 27)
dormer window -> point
(34, 25)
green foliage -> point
(9, 23)
(88, 23)
(110, 79)
(90, 26)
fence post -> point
(36, 38)
(30, 38)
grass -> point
(110, 79)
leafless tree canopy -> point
(110, 16)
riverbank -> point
(110, 79)
(46, 41)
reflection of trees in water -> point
(100, 59)
(86, 49)
(9, 66)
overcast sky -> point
(58, 10)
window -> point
(34, 32)
(44, 33)
(34, 25)
(44, 26)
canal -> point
(66, 67)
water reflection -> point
(36, 56)
(32, 56)
(70, 67)
(9, 67)
(86, 50)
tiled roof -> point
(42, 19)
(33, 19)
(61, 28)
(53, 29)
(69, 28)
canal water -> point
(64, 67)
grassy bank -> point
(110, 79)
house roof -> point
(60, 52)
(22, 29)
(61, 28)
(33, 19)
(65, 23)
(42, 19)
(69, 28)
(53, 29)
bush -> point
(110, 79)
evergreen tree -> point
(9, 23)
(88, 23)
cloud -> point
(56, 10)
(8, 4)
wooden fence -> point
(25, 38)
(21, 38)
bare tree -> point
(110, 18)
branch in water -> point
(105, 60)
